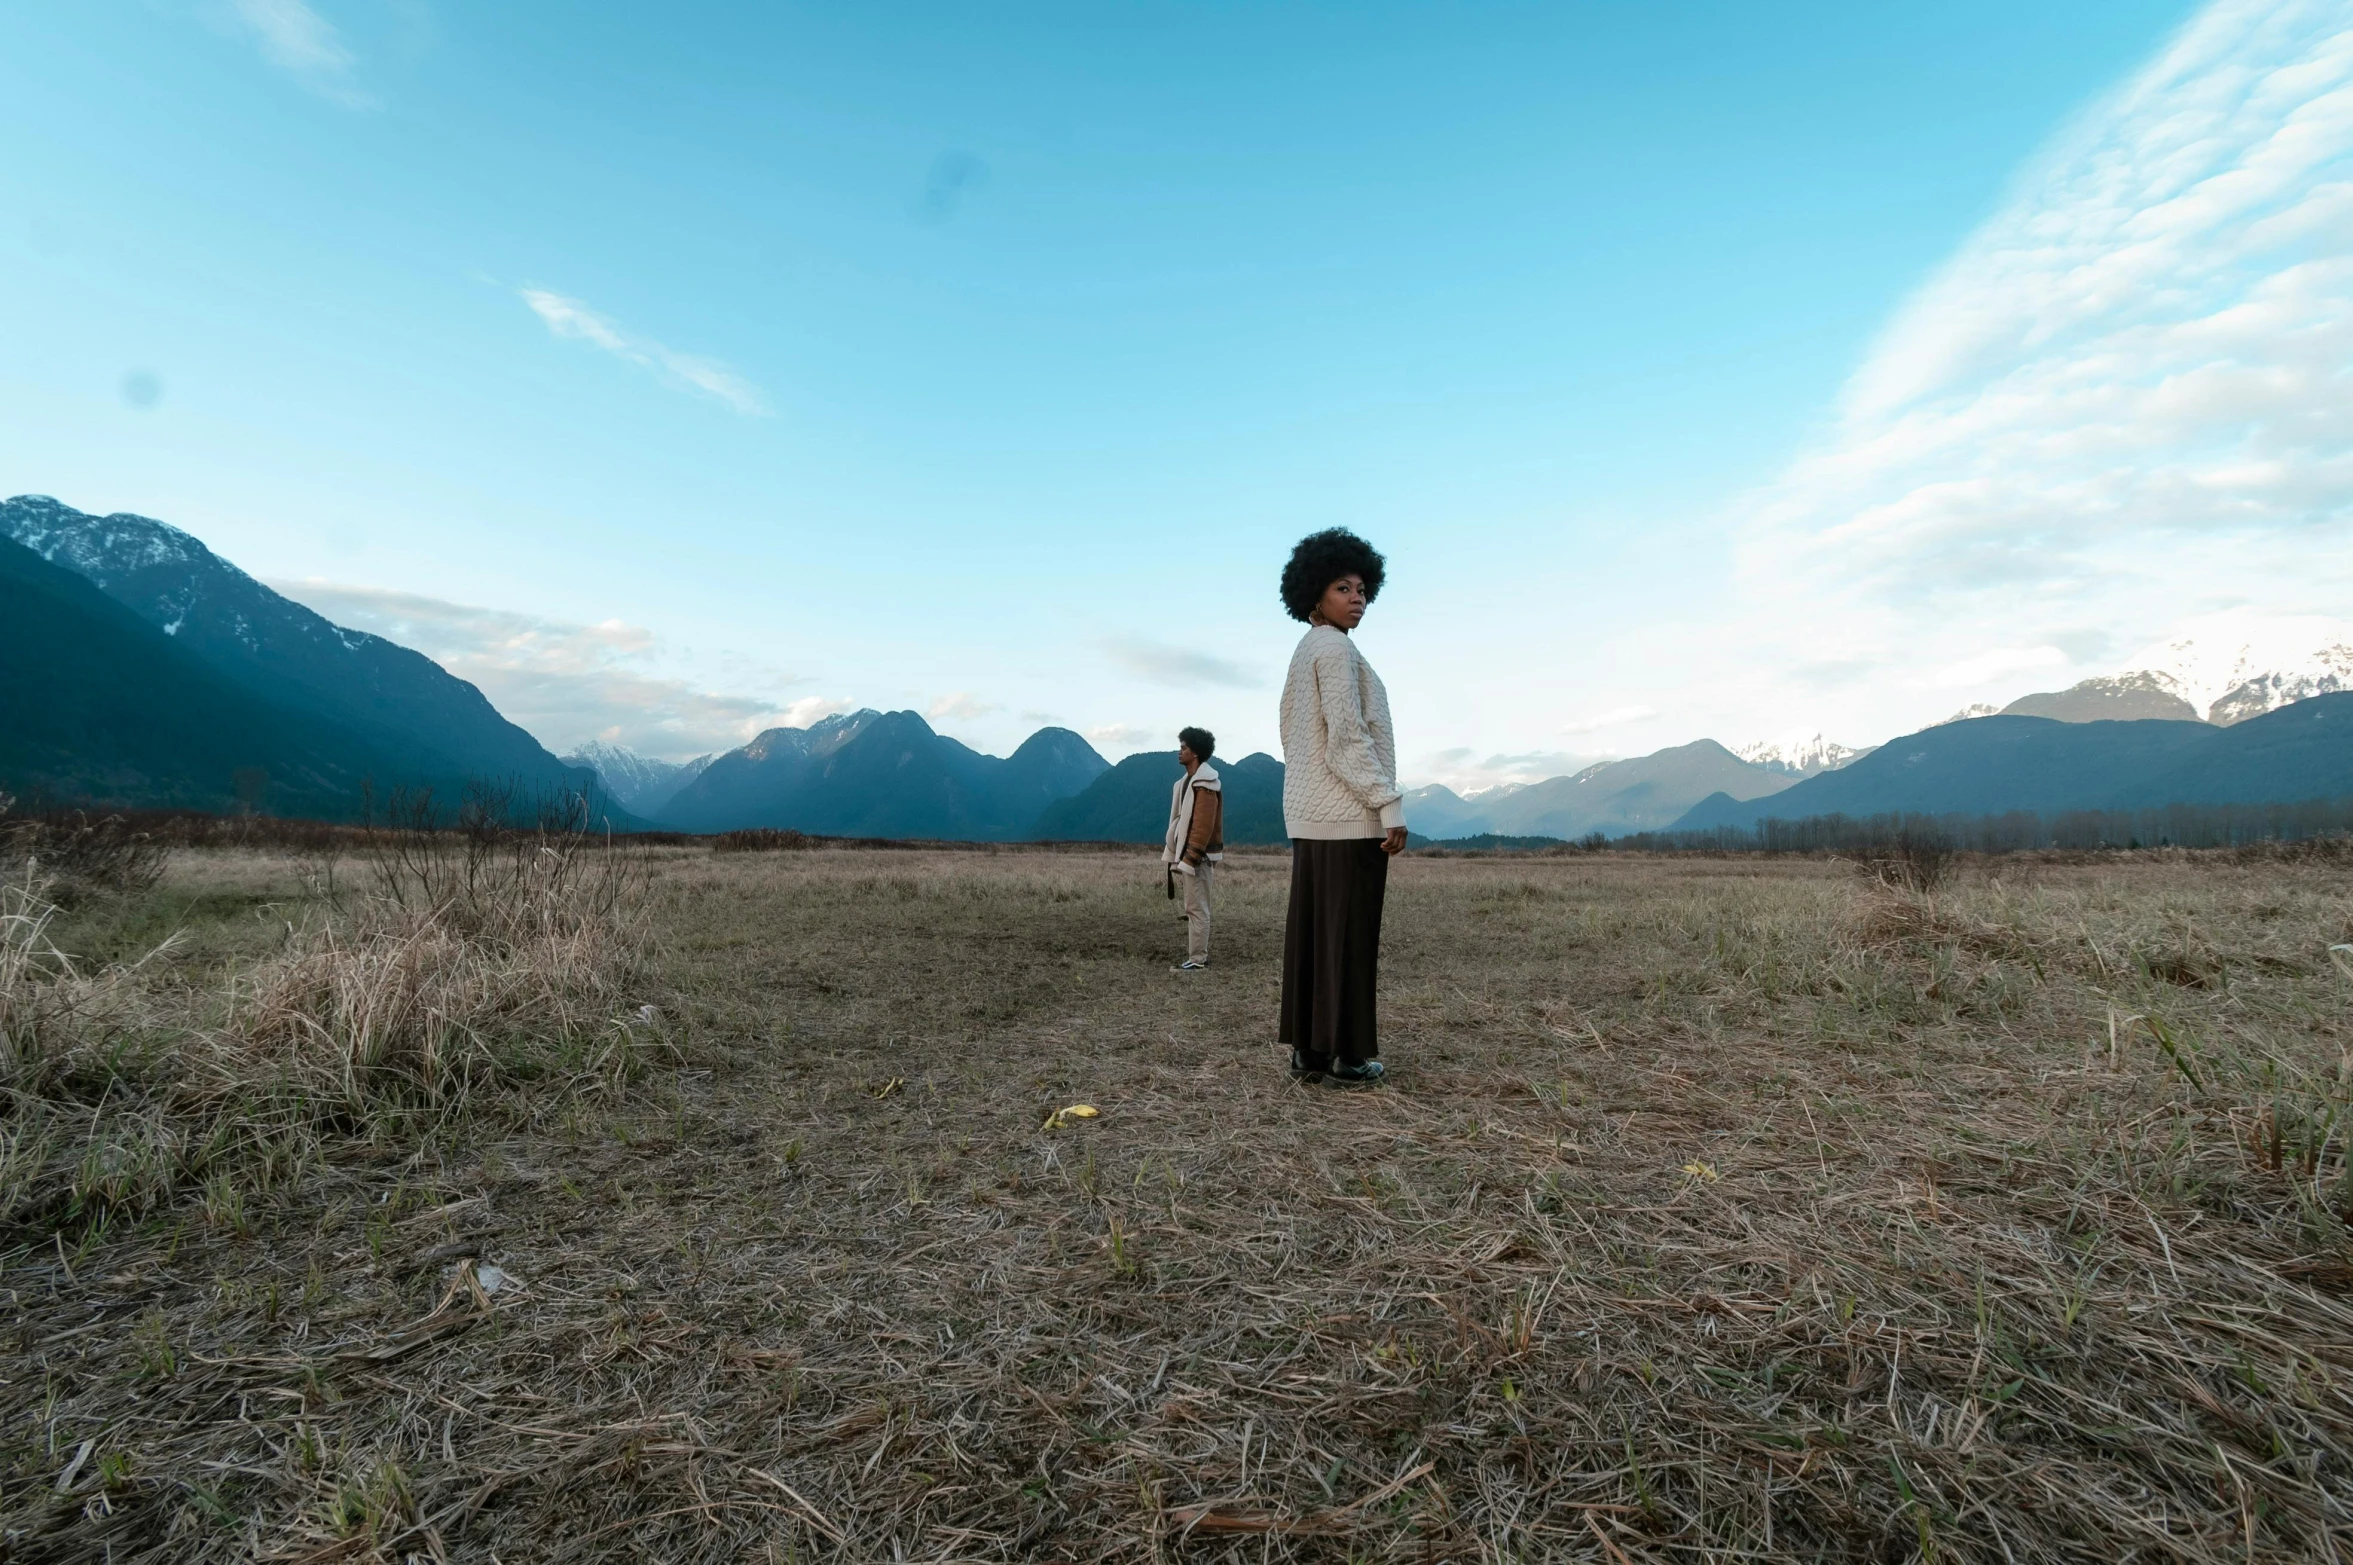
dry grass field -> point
(1716, 1210)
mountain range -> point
(2238, 665)
(143, 669)
(884, 774)
(1991, 765)
(1800, 754)
(1644, 793)
(313, 708)
(640, 784)
(2223, 669)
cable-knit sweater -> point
(1339, 750)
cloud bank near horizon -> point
(562, 682)
(2127, 401)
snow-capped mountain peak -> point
(278, 647)
(2241, 664)
(640, 783)
(1798, 753)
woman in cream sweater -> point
(1341, 809)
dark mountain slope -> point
(883, 774)
(1990, 765)
(1051, 765)
(1129, 803)
(102, 707)
(412, 707)
(750, 785)
(2303, 750)
(1642, 794)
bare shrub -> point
(1914, 858)
(497, 863)
(80, 857)
(759, 839)
(2335, 849)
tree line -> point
(2017, 831)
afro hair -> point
(1200, 741)
(1322, 559)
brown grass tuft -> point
(427, 997)
(376, 1016)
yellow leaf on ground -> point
(1077, 1111)
(1698, 1170)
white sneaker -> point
(1188, 965)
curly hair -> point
(1322, 559)
(1200, 741)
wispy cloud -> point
(961, 704)
(571, 319)
(1466, 771)
(563, 682)
(809, 709)
(294, 37)
(1167, 665)
(1117, 739)
(2125, 401)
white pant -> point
(1197, 911)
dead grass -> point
(366, 1018)
(1719, 1210)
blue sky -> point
(673, 371)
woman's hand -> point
(1395, 841)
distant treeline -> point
(2020, 831)
(411, 816)
(499, 813)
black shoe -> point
(1359, 1073)
(1301, 1070)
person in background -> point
(1196, 842)
(1342, 810)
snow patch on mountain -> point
(433, 723)
(1799, 753)
(640, 784)
(103, 548)
(2241, 664)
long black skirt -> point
(1332, 949)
